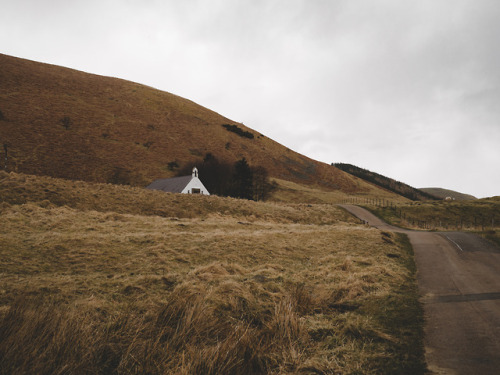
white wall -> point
(197, 184)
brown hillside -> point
(65, 123)
(444, 193)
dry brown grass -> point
(50, 192)
(234, 288)
(481, 216)
(288, 191)
(66, 123)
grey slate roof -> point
(171, 185)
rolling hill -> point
(386, 183)
(444, 193)
(101, 277)
(64, 123)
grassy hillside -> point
(53, 192)
(65, 123)
(480, 215)
(444, 193)
(288, 191)
(100, 278)
(386, 182)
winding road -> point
(459, 281)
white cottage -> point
(184, 184)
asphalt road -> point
(459, 281)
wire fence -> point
(408, 216)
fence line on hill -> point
(475, 222)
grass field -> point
(481, 216)
(287, 191)
(106, 279)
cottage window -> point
(195, 191)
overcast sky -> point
(408, 89)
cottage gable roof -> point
(172, 185)
(184, 184)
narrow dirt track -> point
(459, 281)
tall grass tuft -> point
(184, 335)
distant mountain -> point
(60, 122)
(444, 193)
(386, 182)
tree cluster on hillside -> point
(237, 130)
(385, 182)
(238, 180)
